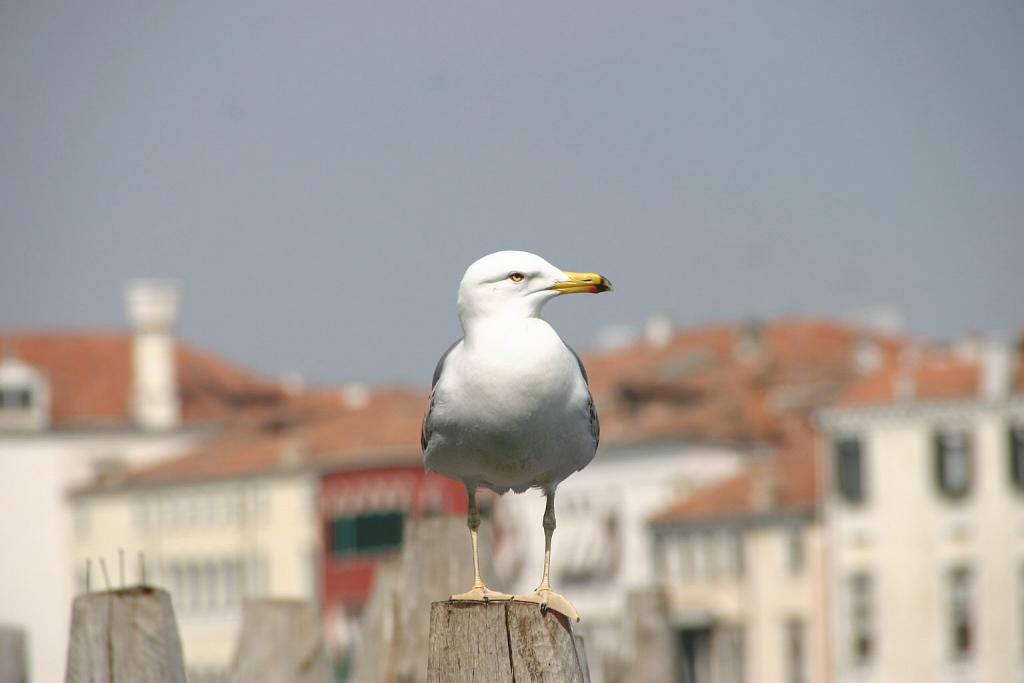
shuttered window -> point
(849, 469)
(370, 532)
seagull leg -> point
(479, 592)
(544, 596)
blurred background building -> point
(793, 496)
(786, 491)
(91, 405)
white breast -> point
(510, 409)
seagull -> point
(510, 408)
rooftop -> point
(90, 378)
(317, 431)
(782, 483)
(748, 383)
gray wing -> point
(595, 423)
(425, 428)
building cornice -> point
(746, 520)
(838, 418)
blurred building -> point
(740, 570)
(682, 411)
(75, 404)
(777, 546)
(924, 518)
(902, 515)
(300, 502)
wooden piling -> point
(13, 655)
(435, 563)
(503, 642)
(649, 633)
(281, 642)
(128, 636)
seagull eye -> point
(516, 276)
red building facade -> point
(362, 514)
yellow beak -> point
(582, 282)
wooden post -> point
(126, 636)
(649, 634)
(281, 642)
(13, 655)
(503, 642)
(435, 563)
(378, 648)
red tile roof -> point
(731, 383)
(318, 431)
(754, 383)
(785, 482)
(902, 370)
(90, 378)
(928, 373)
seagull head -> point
(518, 284)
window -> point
(700, 558)
(15, 397)
(795, 672)
(961, 622)
(849, 465)
(212, 587)
(670, 558)
(728, 644)
(178, 587)
(861, 617)
(194, 589)
(685, 557)
(795, 547)
(711, 557)
(1020, 610)
(736, 550)
(229, 571)
(953, 463)
(372, 532)
(1016, 452)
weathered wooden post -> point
(502, 642)
(396, 623)
(649, 637)
(281, 642)
(377, 656)
(13, 655)
(128, 635)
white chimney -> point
(658, 331)
(354, 395)
(152, 307)
(905, 382)
(997, 369)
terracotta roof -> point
(320, 431)
(90, 378)
(785, 482)
(731, 383)
(740, 383)
(900, 370)
(929, 373)
(754, 383)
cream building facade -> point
(925, 535)
(742, 576)
(212, 544)
(76, 405)
(602, 550)
(909, 516)
(683, 414)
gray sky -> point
(317, 175)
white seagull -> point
(510, 407)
